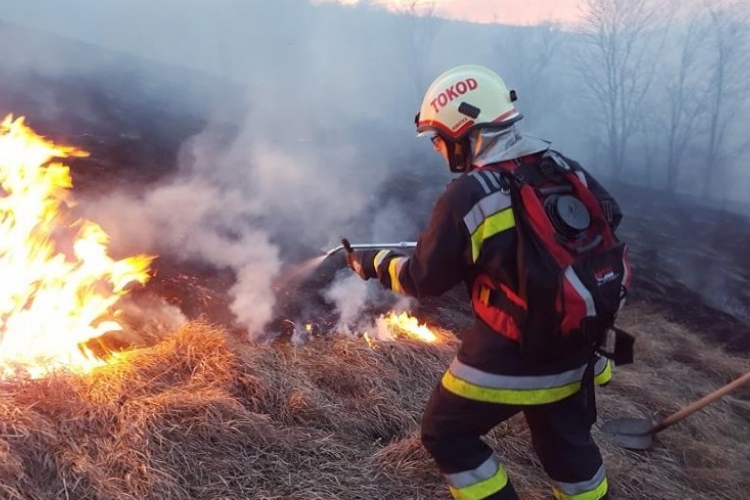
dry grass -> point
(202, 416)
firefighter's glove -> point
(362, 262)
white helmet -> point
(464, 98)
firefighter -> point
(470, 115)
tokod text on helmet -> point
(453, 92)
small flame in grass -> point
(404, 325)
(58, 284)
(369, 340)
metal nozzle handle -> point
(347, 246)
(350, 247)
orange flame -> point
(368, 339)
(58, 282)
(408, 326)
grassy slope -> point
(203, 416)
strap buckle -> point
(484, 294)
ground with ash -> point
(200, 413)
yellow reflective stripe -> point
(394, 268)
(382, 254)
(491, 226)
(488, 205)
(486, 470)
(594, 494)
(476, 392)
(605, 375)
(591, 489)
(482, 489)
(507, 396)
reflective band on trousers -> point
(470, 383)
(485, 480)
(593, 489)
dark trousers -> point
(560, 434)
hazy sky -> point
(487, 11)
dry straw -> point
(202, 415)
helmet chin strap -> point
(459, 155)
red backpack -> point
(573, 272)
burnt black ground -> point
(690, 261)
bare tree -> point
(528, 55)
(648, 127)
(686, 100)
(417, 35)
(623, 41)
(728, 44)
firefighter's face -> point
(438, 143)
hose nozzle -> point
(347, 246)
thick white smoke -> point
(193, 220)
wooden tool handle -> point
(705, 400)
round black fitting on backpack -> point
(568, 216)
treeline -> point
(647, 91)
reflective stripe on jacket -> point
(491, 215)
(472, 383)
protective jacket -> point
(471, 234)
